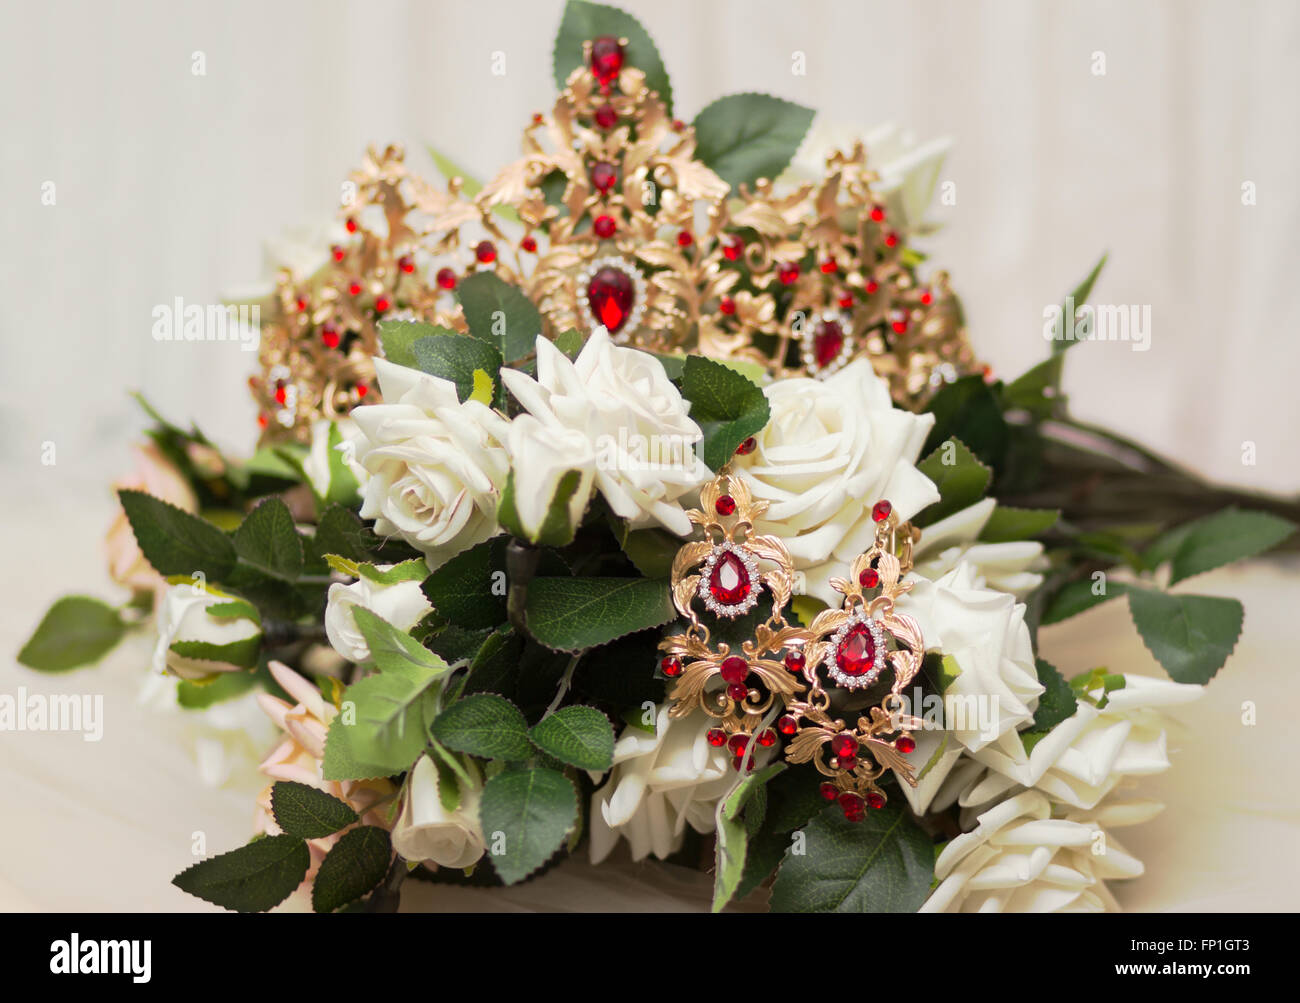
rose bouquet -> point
(652, 493)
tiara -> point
(610, 218)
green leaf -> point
(175, 542)
(340, 762)
(1080, 296)
(1057, 702)
(75, 631)
(354, 867)
(470, 589)
(484, 725)
(1084, 687)
(1076, 597)
(254, 878)
(1224, 537)
(727, 407)
(968, 410)
(343, 485)
(244, 652)
(526, 814)
(457, 357)
(960, 478)
(744, 137)
(414, 570)
(226, 686)
(306, 812)
(652, 551)
(1035, 390)
(1008, 523)
(396, 652)
(730, 852)
(398, 337)
(569, 342)
(558, 528)
(1191, 636)
(583, 22)
(267, 540)
(577, 735)
(573, 614)
(883, 863)
(340, 531)
(500, 315)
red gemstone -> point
(406, 263)
(875, 799)
(739, 761)
(329, 335)
(717, 737)
(528, 244)
(603, 175)
(857, 652)
(869, 578)
(795, 661)
(281, 394)
(880, 511)
(747, 447)
(846, 301)
(671, 666)
(606, 60)
(828, 342)
(725, 505)
(604, 227)
(729, 580)
(787, 725)
(828, 790)
(382, 304)
(738, 691)
(899, 323)
(738, 743)
(684, 239)
(486, 252)
(446, 278)
(734, 669)
(537, 118)
(262, 420)
(905, 744)
(351, 225)
(926, 298)
(678, 125)
(829, 266)
(844, 745)
(606, 117)
(609, 296)
(301, 304)
(891, 239)
(788, 272)
(355, 288)
(848, 762)
(852, 805)
(362, 390)
(338, 252)
(733, 249)
(871, 286)
(727, 305)
(767, 738)
(878, 213)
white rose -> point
(1020, 858)
(334, 440)
(635, 421)
(230, 637)
(540, 458)
(426, 831)
(402, 604)
(832, 449)
(1007, 567)
(437, 466)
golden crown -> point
(611, 219)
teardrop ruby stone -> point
(610, 294)
(729, 580)
(828, 342)
(857, 652)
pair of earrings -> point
(781, 679)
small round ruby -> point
(829, 266)
(795, 661)
(828, 790)
(844, 745)
(881, 510)
(828, 342)
(351, 225)
(606, 60)
(875, 799)
(727, 305)
(355, 288)
(738, 691)
(852, 805)
(734, 669)
(382, 304)
(679, 125)
(486, 252)
(301, 305)
(877, 213)
(891, 239)
(329, 334)
(606, 117)
(362, 390)
(926, 297)
(733, 249)
(446, 278)
(787, 724)
(871, 286)
(671, 666)
(604, 227)
(528, 244)
(609, 297)
(725, 505)
(281, 394)
(717, 737)
(738, 743)
(537, 118)
(729, 582)
(905, 744)
(788, 272)
(338, 252)
(262, 420)
(869, 578)
(603, 176)
(899, 323)
(846, 301)
(406, 263)
(747, 447)
(767, 737)
(684, 239)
